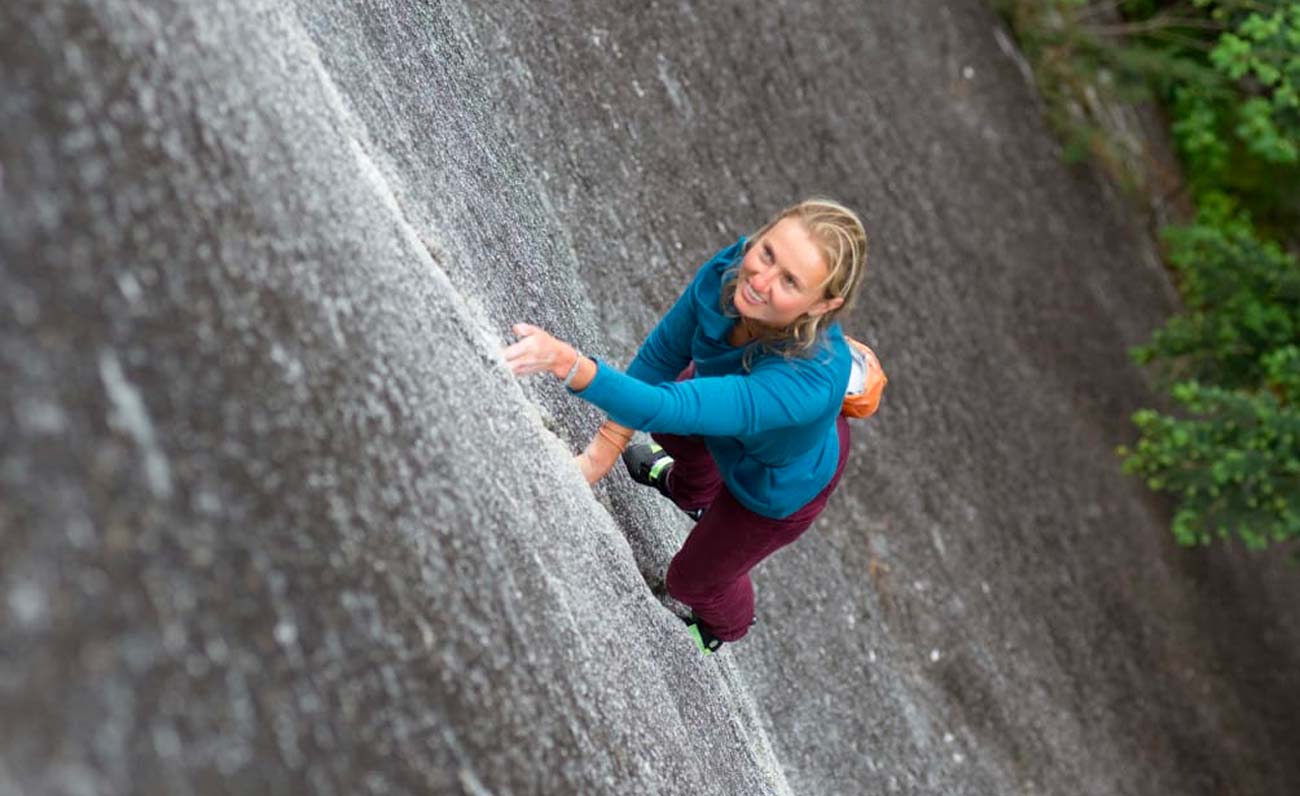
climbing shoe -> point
(650, 465)
(701, 635)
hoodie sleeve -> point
(778, 395)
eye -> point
(790, 282)
(767, 254)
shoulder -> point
(830, 353)
(820, 374)
(833, 348)
(830, 359)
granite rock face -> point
(275, 518)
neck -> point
(742, 332)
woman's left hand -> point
(602, 453)
(597, 460)
(537, 351)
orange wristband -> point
(615, 438)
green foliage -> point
(1241, 133)
(1217, 162)
(1241, 297)
(1228, 71)
(1235, 465)
(1196, 126)
(1262, 54)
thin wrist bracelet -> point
(573, 371)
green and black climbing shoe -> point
(650, 465)
(700, 633)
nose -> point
(761, 279)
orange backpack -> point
(866, 382)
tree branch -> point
(1094, 9)
(1157, 23)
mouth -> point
(749, 294)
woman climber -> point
(741, 385)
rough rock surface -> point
(274, 518)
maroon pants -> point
(711, 571)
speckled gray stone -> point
(274, 517)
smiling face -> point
(782, 277)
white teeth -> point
(753, 297)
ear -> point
(826, 305)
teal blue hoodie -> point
(771, 429)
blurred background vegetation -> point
(1225, 77)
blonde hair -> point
(838, 234)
